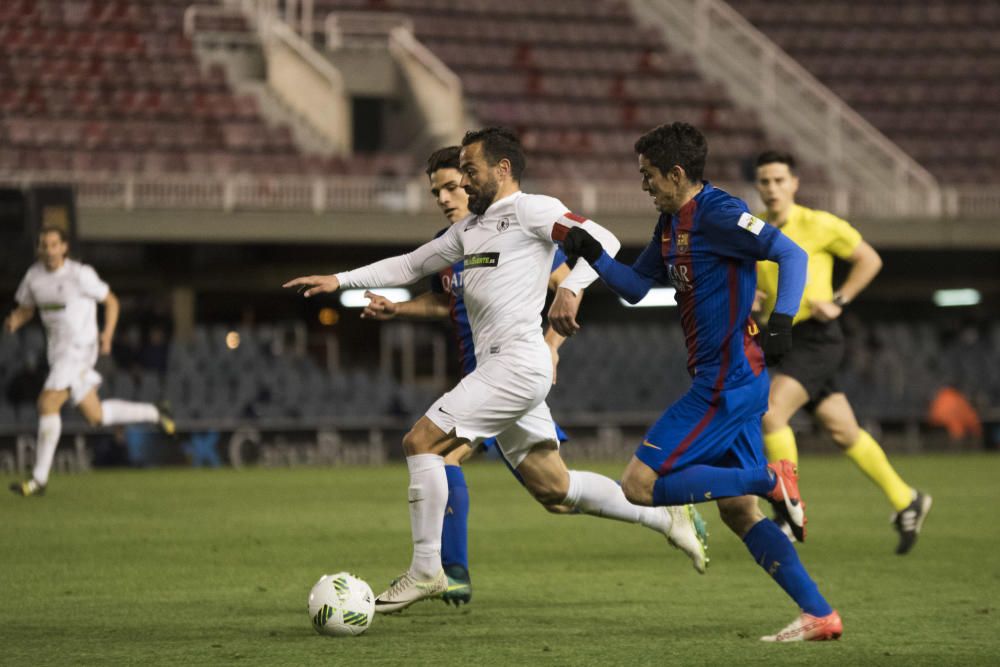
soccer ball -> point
(341, 605)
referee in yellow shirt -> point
(806, 377)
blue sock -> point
(455, 535)
(775, 553)
(701, 484)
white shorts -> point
(503, 398)
(74, 371)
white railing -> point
(792, 103)
(403, 195)
(362, 29)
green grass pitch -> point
(198, 567)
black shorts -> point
(815, 358)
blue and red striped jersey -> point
(708, 252)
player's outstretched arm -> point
(400, 270)
(428, 305)
(313, 285)
(18, 318)
(632, 283)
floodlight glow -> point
(956, 297)
(355, 298)
(658, 297)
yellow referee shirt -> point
(823, 236)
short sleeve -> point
(545, 217)
(23, 296)
(843, 240)
(91, 285)
(735, 232)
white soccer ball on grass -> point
(341, 605)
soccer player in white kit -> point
(66, 293)
(507, 244)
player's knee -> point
(844, 436)
(844, 432)
(739, 514)
(549, 493)
(49, 403)
(772, 421)
(637, 491)
(93, 418)
(414, 444)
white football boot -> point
(689, 533)
(405, 590)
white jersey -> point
(507, 254)
(66, 300)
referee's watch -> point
(839, 300)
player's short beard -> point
(481, 199)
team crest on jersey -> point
(503, 224)
(683, 242)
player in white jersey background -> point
(507, 244)
(65, 293)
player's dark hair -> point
(443, 158)
(678, 144)
(499, 143)
(54, 229)
(780, 157)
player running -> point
(806, 377)
(444, 300)
(506, 244)
(66, 292)
(707, 445)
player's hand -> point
(555, 362)
(758, 301)
(106, 338)
(778, 342)
(562, 312)
(825, 311)
(8, 324)
(379, 308)
(312, 285)
(578, 243)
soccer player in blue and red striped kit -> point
(707, 446)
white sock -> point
(49, 429)
(114, 411)
(428, 495)
(601, 496)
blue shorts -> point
(709, 427)
(492, 442)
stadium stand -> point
(96, 86)
(891, 374)
(925, 74)
(579, 99)
(115, 87)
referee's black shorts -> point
(815, 358)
